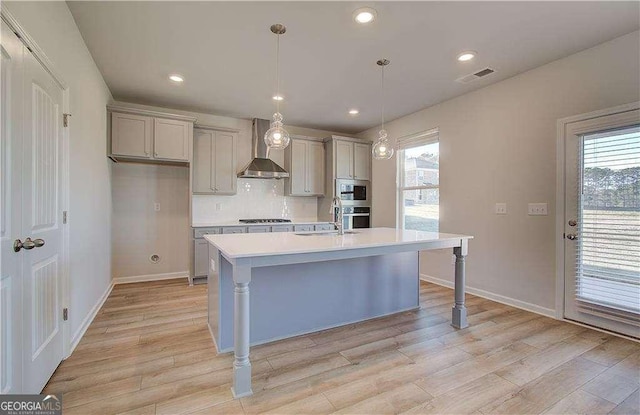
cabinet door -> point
(298, 168)
(282, 228)
(131, 135)
(224, 163)
(201, 258)
(344, 160)
(171, 139)
(258, 229)
(315, 168)
(202, 156)
(361, 161)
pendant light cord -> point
(382, 97)
(278, 74)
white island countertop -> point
(290, 243)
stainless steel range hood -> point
(261, 167)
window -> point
(419, 182)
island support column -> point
(459, 311)
(241, 333)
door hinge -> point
(64, 217)
(65, 314)
(65, 119)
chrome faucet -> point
(336, 212)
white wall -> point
(138, 231)
(497, 144)
(52, 27)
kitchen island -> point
(306, 282)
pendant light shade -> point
(382, 150)
(276, 137)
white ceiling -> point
(227, 53)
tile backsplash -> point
(256, 198)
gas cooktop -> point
(265, 220)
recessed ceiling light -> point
(365, 15)
(176, 78)
(466, 56)
(354, 112)
(278, 97)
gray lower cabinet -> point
(282, 228)
(234, 229)
(258, 229)
(303, 228)
(201, 251)
(325, 227)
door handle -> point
(28, 244)
(572, 222)
(572, 236)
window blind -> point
(423, 137)
(608, 254)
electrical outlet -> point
(156, 207)
(501, 208)
(537, 209)
(218, 206)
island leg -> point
(241, 333)
(459, 311)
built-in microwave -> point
(353, 192)
(356, 217)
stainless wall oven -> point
(353, 192)
(356, 217)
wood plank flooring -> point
(149, 351)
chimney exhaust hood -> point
(261, 167)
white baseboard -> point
(151, 277)
(547, 312)
(77, 336)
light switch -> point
(156, 207)
(537, 209)
(501, 208)
(218, 206)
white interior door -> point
(41, 219)
(11, 50)
(602, 222)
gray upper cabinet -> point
(361, 161)
(214, 162)
(140, 135)
(353, 160)
(171, 139)
(344, 160)
(304, 160)
(131, 135)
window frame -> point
(412, 141)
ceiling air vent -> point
(475, 76)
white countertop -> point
(271, 244)
(236, 223)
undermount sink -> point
(324, 233)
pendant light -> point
(276, 137)
(382, 150)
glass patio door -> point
(602, 223)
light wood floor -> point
(149, 352)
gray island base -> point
(266, 287)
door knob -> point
(572, 222)
(572, 236)
(28, 244)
